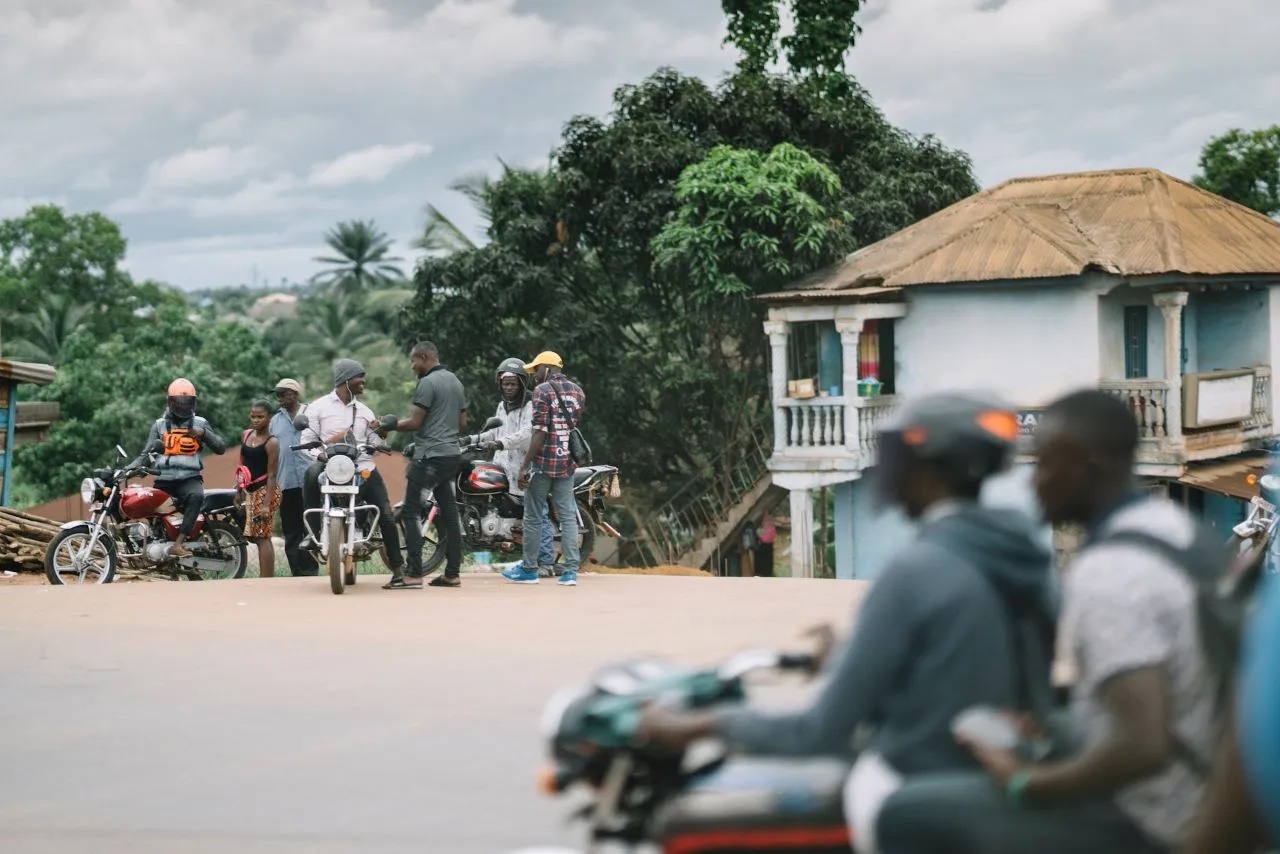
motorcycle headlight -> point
(88, 489)
(340, 469)
(1270, 482)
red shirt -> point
(557, 419)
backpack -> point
(1222, 606)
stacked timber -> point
(24, 539)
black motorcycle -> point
(493, 519)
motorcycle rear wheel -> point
(59, 558)
(334, 559)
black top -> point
(254, 458)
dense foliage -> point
(1244, 166)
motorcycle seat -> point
(735, 807)
(216, 499)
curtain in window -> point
(869, 350)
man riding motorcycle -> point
(177, 439)
(510, 440)
(330, 418)
(934, 635)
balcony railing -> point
(822, 426)
(1148, 400)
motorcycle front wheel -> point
(334, 560)
(432, 551)
(72, 559)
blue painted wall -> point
(830, 358)
(877, 533)
(1230, 330)
(1223, 513)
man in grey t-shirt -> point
(439, 408)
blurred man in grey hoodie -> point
(962, 616)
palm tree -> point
(441, 236)
(46, 333)
(361, 261)
(330, 328)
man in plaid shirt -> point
(548, 468)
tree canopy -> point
(1244, 166)
(598, 257)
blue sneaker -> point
(568, 578)
(519, 574)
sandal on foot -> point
(445, 581)
(403, 582)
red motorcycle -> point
(135, 526)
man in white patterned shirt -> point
(329, 418)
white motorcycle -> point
(348, 532)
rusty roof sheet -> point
(1228, 477)
(26, 372)
(1129, 222)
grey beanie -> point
(345, 370)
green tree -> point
(110, 390)
(361, 261)
(1244, 166)
(825, 31)
(46, 330)
(571, 258)
(749, 222)
(440, 236)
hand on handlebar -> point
(824, 640)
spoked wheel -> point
(72, 559)
(432, 547)
(335, 561)
(220, 552)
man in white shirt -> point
(330, 417)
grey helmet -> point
(966, 437)
(515, 366)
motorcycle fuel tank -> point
(485, 478)
(138, 502)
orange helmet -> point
(182, 398)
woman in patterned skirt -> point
(256, 480)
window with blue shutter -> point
(1135, 342)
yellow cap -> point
(546, 357)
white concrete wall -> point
(1030, 344)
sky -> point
(226, 137)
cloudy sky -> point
(226, 136)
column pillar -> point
(778, 331)
(1171, 305)
(850, 329)
(801, 533)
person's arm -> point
(211, 439)
(423, 398)
(1128, 648)
(861, 673)
(1227, 822)
(151, 446)
(273, 460)
(539, 427)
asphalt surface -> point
(272, 716)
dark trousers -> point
(301, 562)
(188, 495)
(372, 491)
(437, 474)
(764, 560)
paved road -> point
(272, 716)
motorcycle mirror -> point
(495, 421)
(120, 454)
(301, 421)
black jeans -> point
(372, 491)
(301, 562)
(188, 495)
(436, 474)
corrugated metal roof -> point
(26, 372)
(1228, 477)
(1130, 222)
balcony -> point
(828, 433)
(1234, 415)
